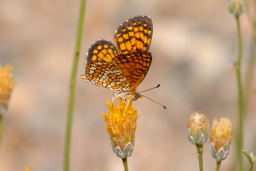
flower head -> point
(236, 7)
(220, 138)
(198, 128)
(6, 86)
(120, 123)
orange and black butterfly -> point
(123, 66)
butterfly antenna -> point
(158, 85)
(163, 106)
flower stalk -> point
(125, 163)
(199, 148)
(237, 8)
(218, 163)
(72, 84)
(241, 105)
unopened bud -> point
(198, 128)
(220, 138)
(236, 7)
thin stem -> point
(251, 168)
(199, 148)
(218, 163)
(71, 98)
(240, 137)
(125, 163)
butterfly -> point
(122, 66)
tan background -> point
(191, 60)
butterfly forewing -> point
(134, 35)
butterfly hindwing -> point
(106, 75)
(134, 35)
(102, 50)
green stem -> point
(218, 163)
(251, 168)
(240, 137)
(125, 163)
(199, 148)
(72, 84)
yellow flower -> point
(198, 128)
(6, 86)
(220, 138)
(27, 169)
(120, 123)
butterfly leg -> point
(129, 101)
(113, 97)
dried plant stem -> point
(199, 148)
(125, 163)
(218, 163)
(240, 136)
(71, 98)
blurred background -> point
(192, 60)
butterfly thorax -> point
(127, 94)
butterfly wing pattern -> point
(134, 35)
(101, 70)
(123, 67)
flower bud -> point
(198, 128)
(220, 138)
(236, 7)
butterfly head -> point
(136, 96)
